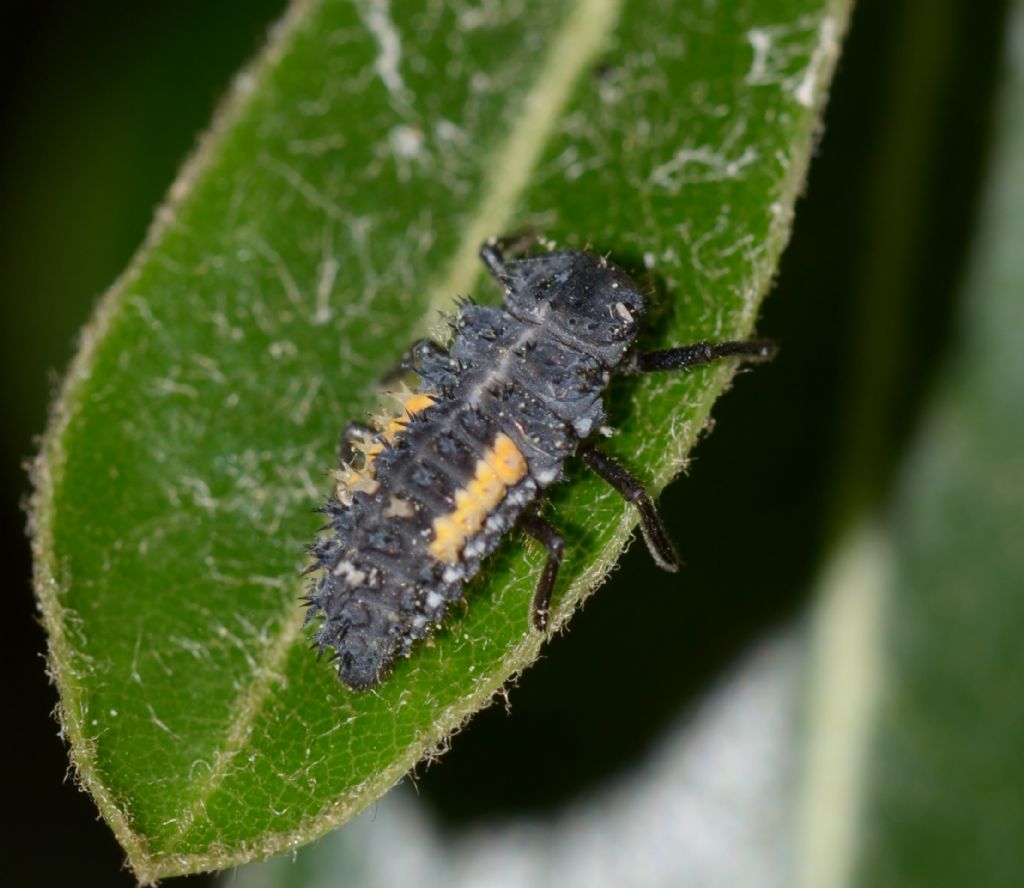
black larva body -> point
(496, 416)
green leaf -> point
(336, 205)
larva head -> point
(581, 297)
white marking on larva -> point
(516, 498)
(546, 477)
(583, 426)
(398, 508)
(343, 494)
(343, 568)
(624, 312)
(500, 371)
(419, 620)
(451, 575)
(493, 523)
(434, 599)
(348, 571)
(522, 494)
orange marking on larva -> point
(349, 480)
(414, 404)
(506, 460)
(499, 468)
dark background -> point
(101, 102)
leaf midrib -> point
(574, 48)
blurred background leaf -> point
(942, 67)
(944, 801)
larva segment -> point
(501, 466)
(415, 403)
